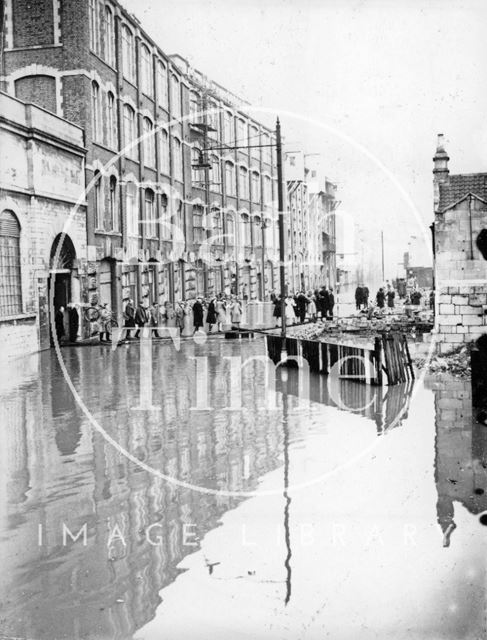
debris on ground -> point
(457, 363)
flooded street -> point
(208, 506)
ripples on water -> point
(332, 557)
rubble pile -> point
(457, 363)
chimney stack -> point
(440, 161)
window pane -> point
(10, 282)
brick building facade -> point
(460, 205)
(158, 228)
(311, 229)
(41, 198)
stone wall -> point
(460, 275)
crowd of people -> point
(218, 312)
(386, 298)
(312, 306)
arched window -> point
(132, 208)
(245, 227)
(175, 97)
(129, 131)
(109, 37)
(165, 218)
(215, 174)
(257, 231)
(217, 225)
(146, 64)
(94, 26)
(161, 84)
(10, 282)
(95, 112)
(197, 174)
(255, 187)
(164, 148)
(177, 157)
(148, 143)
(229, 179)
(198, 227)
(149, 214)
(231, 239)
(128, 54)
(111, 121)
(228, 133)
(113, 204)
(243, 184)
(269, 234)
(98, 200)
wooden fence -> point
(367, 362)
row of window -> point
(171, 221)
(107, 133)
(157, 82)
(230, 129)
(153, 75)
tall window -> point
(150, 214)
(113, 204)
(109, 37)
(94, 26)
(10, 282)
(161, 84)
(197, 175)
(257, 231)
(198, 227)
(129, 131)
(245, 226)
(231, 239)
(242, 136)
(165, 218)
(95, 112)
(217, 225)
(164, 148)
(128, 54)
(98, 200)
(148, 144)
(111, 121)
(269, 234)
(177, 158)
(175, 97)
(267, 190)
(266, 150)
(215, 174)
(243, 183)
(132, 208)
(146, 64)
(255, 187)
(254, 141)
(228, 133)
(229, 178)
(194, 108)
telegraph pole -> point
(280, 205)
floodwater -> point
(217, 506)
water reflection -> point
(460, 454)
(57, 472)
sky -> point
(368, 85)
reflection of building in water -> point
(57, 469)
(460, 454)
(387, 406)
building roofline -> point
(464, 197)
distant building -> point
(42, 182)
(460, 272)
(310, 225)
